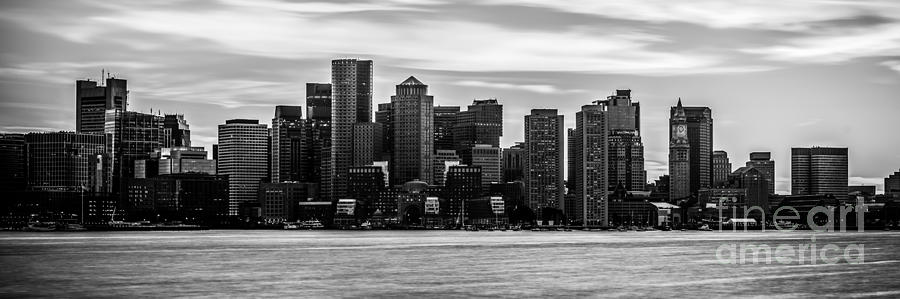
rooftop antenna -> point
(102, 71)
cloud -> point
(538, 88)
(836, 45)
(892, 64)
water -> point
(433, 264)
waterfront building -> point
(819, 170)
(443, 159)
(487, 157)
(892, 185)
(243, 157)
(544, 150)
(625, 148)
(288, 144)
(12, 157)
(280, 202)
(192, 198)
(132, 136)
(690, 150)
(721, 168)
(513, 162)
(463, 183)
(351, 103)
(413, 128)
(763, 162)
(481, 123)
(589, 161)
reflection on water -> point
(431, 263)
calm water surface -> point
(434, 264)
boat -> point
(291, 225)
(311, 224)
(704, 228)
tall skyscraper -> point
(93, 100)
(892, 185)
(721, 168)
(590, 165)
(690, 150)
(819, 170)
(368, 143)
(351, 102)
(318, 101)
(133, 136)
(412, 122)
(481, 123)
(243, 157)
(625, 147)
(288, 142)
(444, 120)
(180, 131)
(764, 163)
(513, 162)
(544, 150)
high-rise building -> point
(443, 159)
(412, 123)
(67, 161)
(625, 147)
(488, 158)
(544, 150)
(368, 143)
(133, 136)
(590, 165)
(690, 150)
(12, 157)
(721, 168)
(764, 163)
(481, 123)
(288, 144)
(819, 171)
(513, 162)
(318, 101)
(179, 130)
(93, 100)
(444, 121)
(892, 185)
(351, 102)
(243, 157)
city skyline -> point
(781, 85)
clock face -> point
(680, 131)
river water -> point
(241, 263)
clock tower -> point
(679, 155)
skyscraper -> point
(318, 101)
(244, 159)
(351, 102)
(721, 168)
(763, 162)
(892, 185)
(367, 147)
(412, 122)
(690, 150)
(544, 150)
(625, 147)
(481, 123)
(444, 120)
(590, 139)
(819, 170)
(288, 142)
(513, 162)
(133, 136)
(93, 100)
(180, 131)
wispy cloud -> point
(837, 45)
(538, 88)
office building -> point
(318, 101)
(463, 184)
(12, 157)
(179, 131)
(368, 143)
(892, 185)
(288, 144)
(488, 158)
(243, 157)
(481, 123)
(819, 171)
(444, 122)
(625, 147)
(191, 198)
(764, 163)
(544, 150)
(721, 168)
(513, 162)
(690, 150)
(412, 123)
(351, 102)
(67, 161)
(93, 100)
(132, 136)
(443, 159)
(589, 161)
(280, 202)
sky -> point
(776, 74)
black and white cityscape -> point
(449, 149)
